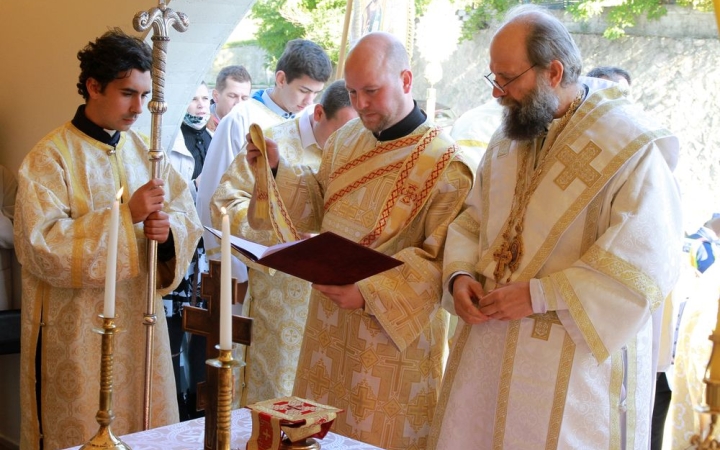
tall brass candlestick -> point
(711, 408)
(159, 19)
(105, 438)
(224, 364)
(705, 440)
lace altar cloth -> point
(189, 436)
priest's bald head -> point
(534, 70)
(379, 81)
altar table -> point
(190, 436)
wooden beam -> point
(344, 40)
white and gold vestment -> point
(601, 236)
(227, 142)
(382, 364)
(67, 184)
(276, 302)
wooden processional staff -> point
(160, 19)
(339, 72)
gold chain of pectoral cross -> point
(510, 252)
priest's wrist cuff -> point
(454, 277)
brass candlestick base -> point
(704, 440)
(224, 363)
(105, 438)
(307, 444)
(708, 417)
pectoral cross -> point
(503, 256)
(516, 252)
(577, 166)
(206, 322)
(508, 255)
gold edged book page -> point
(326, 258)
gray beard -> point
(530, 117)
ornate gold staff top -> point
(160, 18)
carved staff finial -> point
(160, 18)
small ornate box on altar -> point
(289, 423)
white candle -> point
(225, 284)
(111, 264)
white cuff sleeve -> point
(537, 297)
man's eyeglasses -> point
(494, 84)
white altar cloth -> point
(190, 436)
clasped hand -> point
(508, 302)
(146, 205)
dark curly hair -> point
(110, 57)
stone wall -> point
(677, 79)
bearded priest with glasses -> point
(565, 252)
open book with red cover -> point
(322, 259)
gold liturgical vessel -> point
(105, 438)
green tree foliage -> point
(624, 14)
(700, 5)
(619, 17)
(320, 21)
(421, 6)
(274, 30)
(481, 14)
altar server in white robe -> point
(300, 74)
(66, 186)
(567, 247)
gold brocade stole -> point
(418, 174)
(268, 203)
